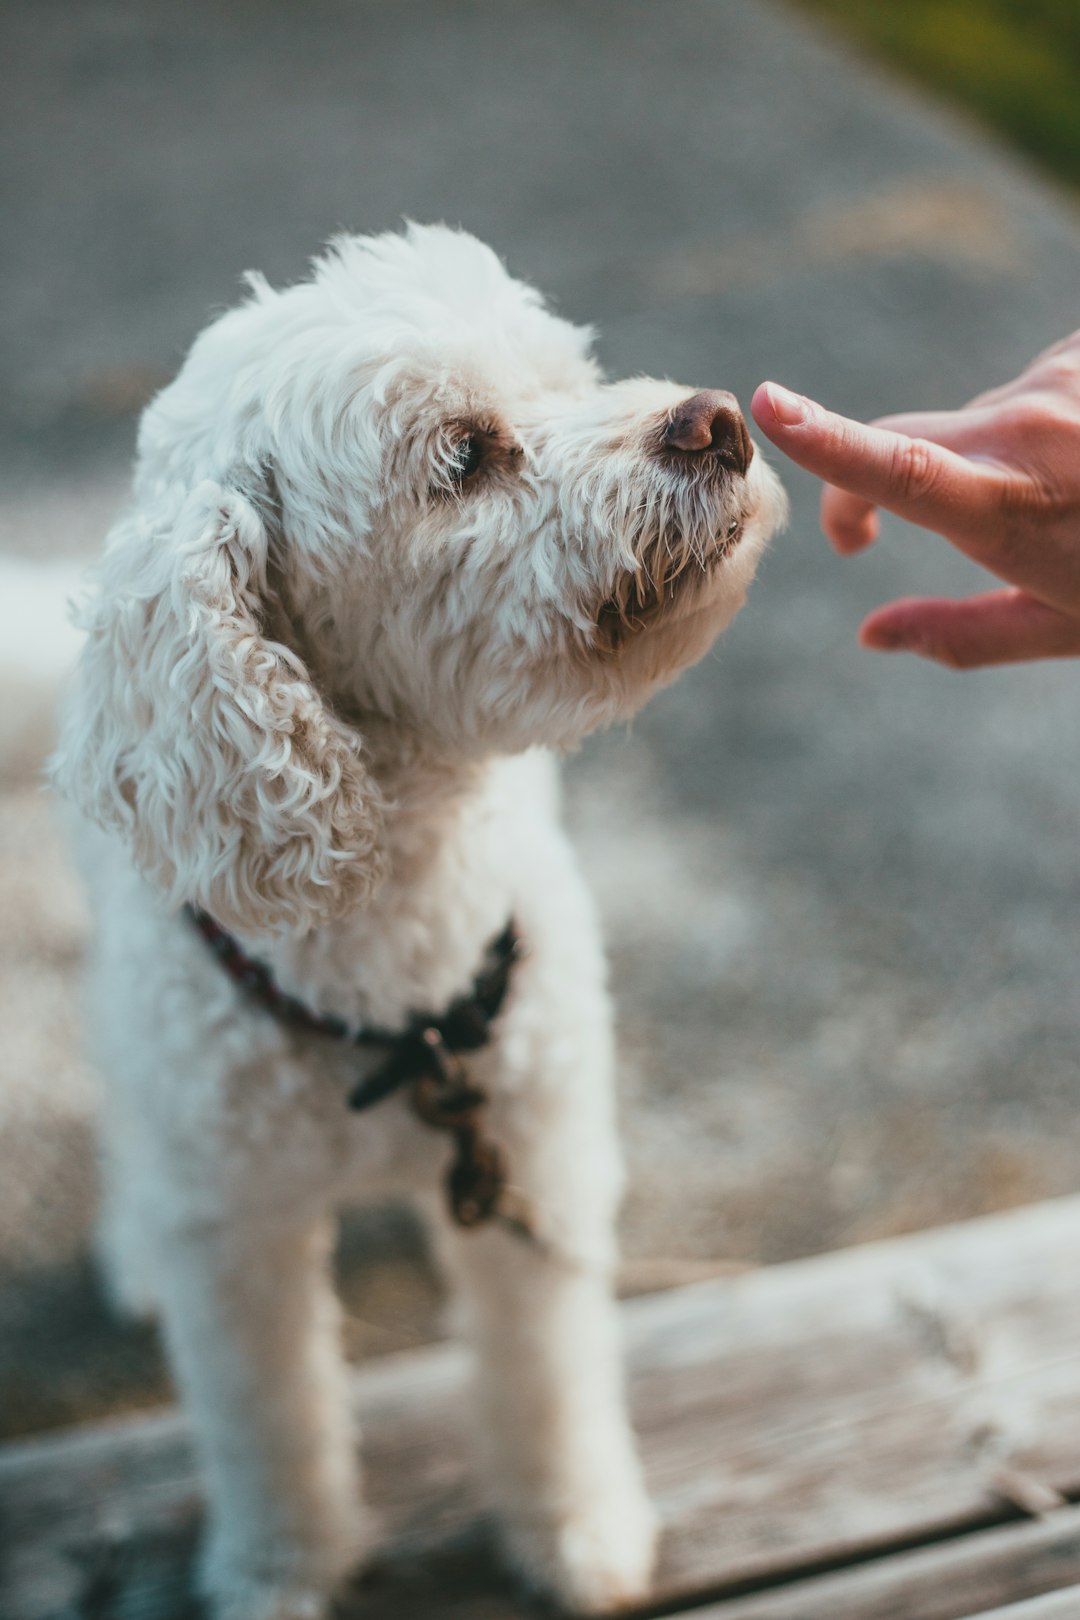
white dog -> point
(392, 536)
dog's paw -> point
(597, 1560)
(282, 1583)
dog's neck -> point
(424, 786)
(448, 892)
(426, 791)
(419, 940)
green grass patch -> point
(1014, 63)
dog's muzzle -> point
(706, 450)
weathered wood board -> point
(796, 1422)
(964, 1576)
(1063, 1605)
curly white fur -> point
(392, 535)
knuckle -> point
(1040, 432)
(955, 658)
(950, 654)
(1031, 416)
(1061, 363)
(1031, 501)
(914, 470)
(1063, 370)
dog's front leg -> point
(565, 1476)
(253, 1332)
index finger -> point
(913, 477)
(850, 521)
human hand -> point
(999, 479)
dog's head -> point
(400, 493)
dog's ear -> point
(205, 743)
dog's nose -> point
(710, 424)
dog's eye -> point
(468, 455)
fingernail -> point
(788, 408)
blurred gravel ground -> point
(842, 893)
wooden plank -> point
(946, 1581)
(1054, 1606)
(802, 1416)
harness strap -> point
(425, 1056)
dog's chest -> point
(419, 944)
